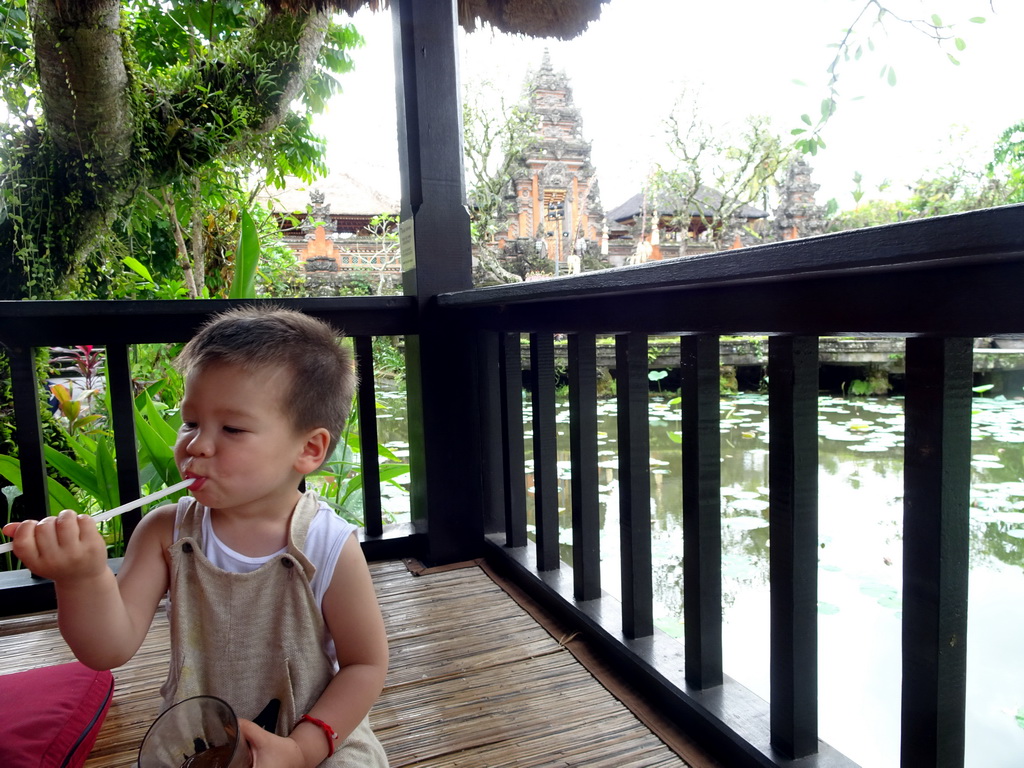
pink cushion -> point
(49, 717)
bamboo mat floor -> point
(475, 682)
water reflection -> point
(860, 575)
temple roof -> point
(344, 194)
(563, 19)
(709, 198)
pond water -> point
(860, 574)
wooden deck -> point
(475, 681)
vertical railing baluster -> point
(512, 432)
(793, 481)
(35, 498)
(702, 509)
(488, 384)
(634, 485)
(545, 448)
(586, 523)
(366, 399)
(936, 528)
(122, 414)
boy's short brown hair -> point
(323, 377)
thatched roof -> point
(344, 193)
(563, 19)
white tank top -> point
(328, 533)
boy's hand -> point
(270, 750)
(62, 547)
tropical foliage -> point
(144, 119)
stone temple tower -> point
(798, 215)
(556, 199)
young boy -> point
(271, 605)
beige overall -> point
(250, 638)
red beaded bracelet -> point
(328, 731)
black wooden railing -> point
(938, 283)
(26, 327)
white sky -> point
(743, 56)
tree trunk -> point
(105, 135)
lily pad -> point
(744, 523)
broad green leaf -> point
(892, 76)
(158, 421)
(247, 256)
(937, 20)
(106, 475)
(977, 20)
(156, 450)
(84, 477)
(960, 43)
(806, 118)
(353, 485)
(384, 452)
(60, 497)
(138, 268)
(390, 472)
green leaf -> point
(390, 472)
(168, 434)
(156, 450)
(60, 497)
(953, 59)
(84, 477)
(977, 20)
(247, 256)
(937, 20)
(106, 476)
(138, 268)
(806, 118)
(892, 76)
(960, 43)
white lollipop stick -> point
(109, 514)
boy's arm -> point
(102, 618)
(355, 622)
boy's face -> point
(237, 440)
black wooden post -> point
(545, 450)
(935, 551)
(122, 413)
(488, 385)
(634, 485)
(34, 503)
(702, 510)
(793, 481)
(586, 523)
(435, 244)
(366, 404)
(512, 436)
